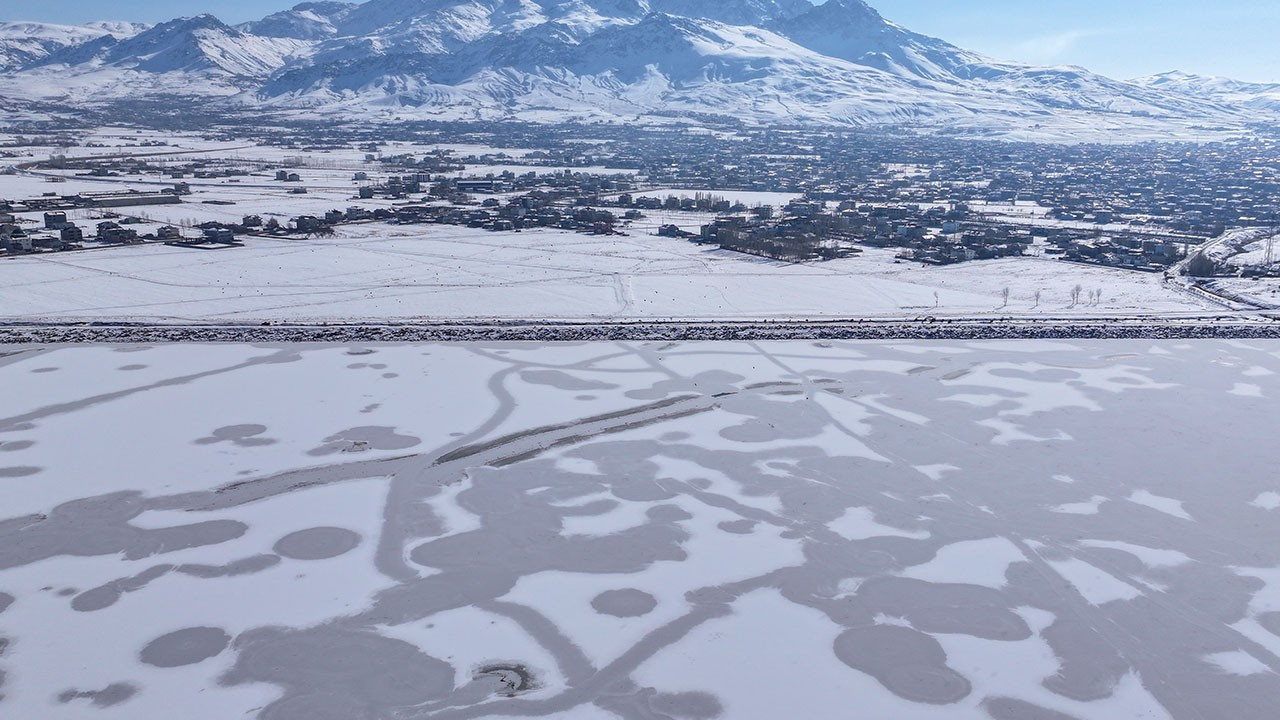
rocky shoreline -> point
(648, 331)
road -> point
(1177, 278)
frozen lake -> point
(750, 531)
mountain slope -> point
(755, 61)
(24, 43)
(851, 30)
(1260, 96)
(307, 21)
(198, 56)
(202, 43)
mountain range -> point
(662, 61)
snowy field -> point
(380, 271)
(904, 531)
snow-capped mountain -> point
(766, 61)
(1262, 96)
(199, 56)
(851, 30)
(202, 43)
(24, 43)
(308, 21)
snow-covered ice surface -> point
(748, 531)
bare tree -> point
(1075, 295)
(1037, 296)
(936, 301)
(1004, 295)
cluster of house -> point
(699, 202)
(105, 200)
(809, 230)
(1161, 188)
(789, 239)
(58, 233)
(516, 214)
(538, 209)
(559, 184)
(395, 188)
(1123, 250)
(1180, 188)
(439, 161)
(99, 167)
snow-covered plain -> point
(748, 531)
(385, 272)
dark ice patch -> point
(185, 647)
(668, 514)
(712, 382)
(1013, 709)
(738, 527)
(687, 705)
(1270, 621)
(104, 596)
(110, 696)
(908, 663)
(246, 566)
(362, 439)
(239, 435)
(317, 706)
(319, 543)
(563, 381)
(628, 603)
(362, 673)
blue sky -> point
(1121, 38)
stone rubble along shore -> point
(917, 330)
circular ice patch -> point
(319, 543)
(627, 603)
(185, 647)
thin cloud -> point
(1053, 47)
